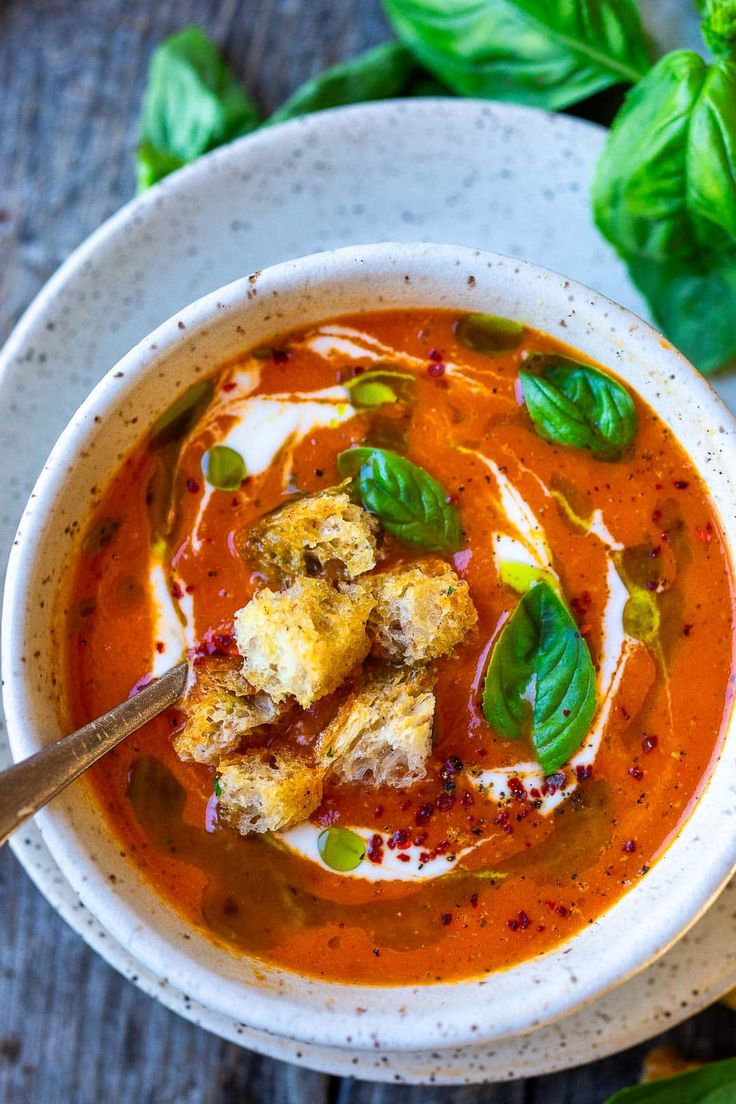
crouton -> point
(420, 612)
(314, 533)
(265, 790)
(221, 708)
(302, 641)
(382, 734)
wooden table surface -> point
(71, 73)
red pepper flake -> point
(680, 484)
(404, 858)
(562, 911)
(513, 924)
(467, 799)
(541, 927)
(705, 535)
(423, 813)
(524, 920)
(584, 772)
(176, 591)
(436, 369)
(280, 356)
(474, 900)
(658, 486)
(377, 812)
(445, 802)
(424, 857)
(565, 712)
(434, 354)
(421, 838)
(687, 629)
(230, 386)
(637, 773)
(516, 786)
(629, 847)
(446, 918)
(649, 743)
(401, 839)
(374, 851)
(160, 647)
(192, 486)
(656, 515)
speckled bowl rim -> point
(557, 990)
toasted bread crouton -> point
(420, 612)
(382, 734)
(304, 536)
(265, 790)
(221, 708)
(302, 641)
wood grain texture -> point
(71, 1030)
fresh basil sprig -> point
(665, 196)
(192, 104)
(406, 499)
(541, 680)
(377, 74)
(530, 51)
(711, 1084)
(574, 404)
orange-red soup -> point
(533, 878)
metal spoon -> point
(28, 786)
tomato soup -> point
(572, 724)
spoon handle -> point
(27, 786)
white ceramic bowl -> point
(636, 930)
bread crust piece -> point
(302, 641)
(314, 533)
(420, 612)
(221, 708)
(382, 734)
(267, 790)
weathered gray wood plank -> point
(71, 74)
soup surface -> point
(592, 556)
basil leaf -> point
(372, 393)
(377, 74)
(665, 197)
(408, 502)
(381, 385)
(665, 184)
(192, 104)
(719, 25)
(487, 333)
(181, 417)
(541, 679)
(574, 404)
(340, 849)
(529, 51)
(711, 1084)
(694, 301)
(223, 468)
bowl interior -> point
(125, 403)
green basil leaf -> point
(541, 679)
(372, 393)
(665, 185)
(719, 25)
(711, 1084)
(377, 74)
(487, 333)
(192, 104)
(530, 51)
(223, 468)
(340, 849)
(574, 404)
(408, 502)
(694, 301)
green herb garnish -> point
(340, 849)
(529, 51)
(540, 681)
(406, 499)
(714, 1083)
(223, 468)
(574, 404)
